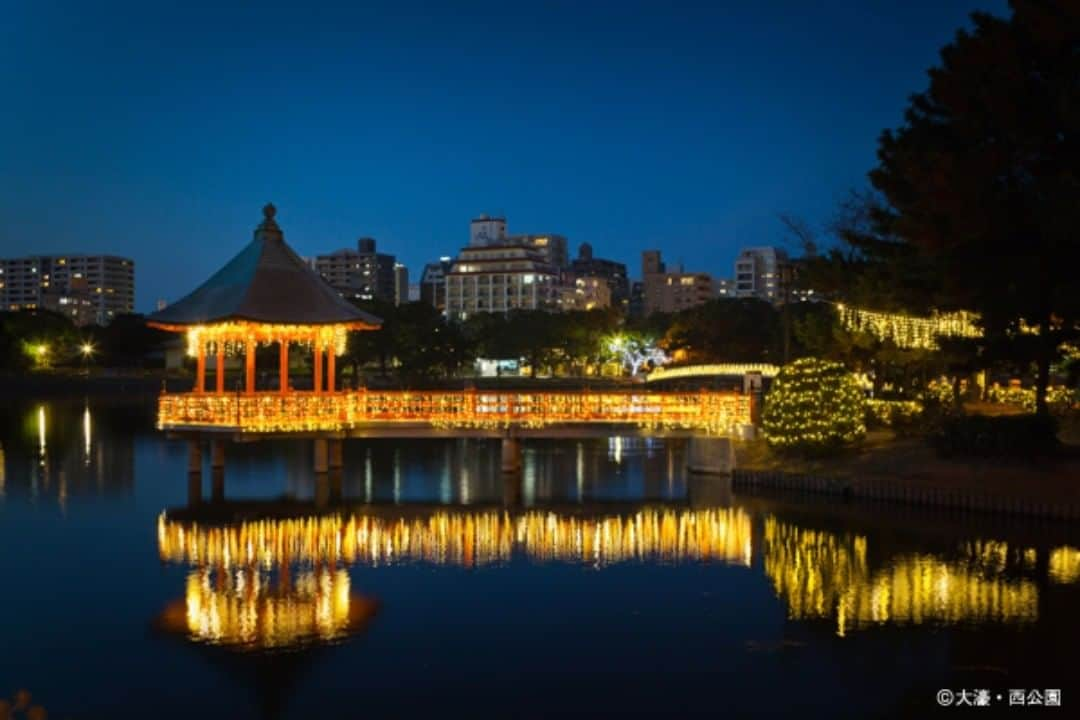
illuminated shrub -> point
(814, 405)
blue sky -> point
(158, 130)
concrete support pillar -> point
(217, 484)
(283, 368)
(335, 460)
(337, 482)
(194, 457)
(512, 489)
(200, 368)
(331, 360)
(710, 455)
(709, 491)
(194, 489)
(217, 454)
(249, 366)
(322, 491)
(321, 455)
(510, 453)
(219, 368)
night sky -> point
(159, 131)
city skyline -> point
(684, 131)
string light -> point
(814, 404)
(707, 411)
(666, 373)
(889, 412)
(233, 336)
(909, 331)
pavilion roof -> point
(267, 282)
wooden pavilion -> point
(266, 294)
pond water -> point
(604, 580)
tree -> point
(636, 350)
(727, 330)
(814, 406)
(36, 338)
(982, 178)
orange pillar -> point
(283, 368)
(317, 359)
(330, 385)
(200, 368)
(249, 363)
(220, 375)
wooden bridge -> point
(363, 413)
(330, 417)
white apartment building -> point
(500, 278)
(485, 231)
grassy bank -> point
(884, 456)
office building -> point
(361, 274)
(90, 289)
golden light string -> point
(233, 336)
(713, 412)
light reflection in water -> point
(823, 575)
(41, 433)
(468, 539)
(246, 609)
(86, 436)
(1065, 565)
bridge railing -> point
(709, 411)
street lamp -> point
(86, 350)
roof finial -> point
(269, 211)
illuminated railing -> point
(714, 412)
(467, 539)
(719, 369)
(826, 575)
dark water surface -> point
(603, 581)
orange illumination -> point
(713, 412)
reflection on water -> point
(466, 538)
(1065, 565)
(252, 609)
(641, 568)
(824, 575)
(59, 453)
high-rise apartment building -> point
(87, 288)
(763, 273)
(585, 265)
(433, 283)
(584, 293)
(361, 274)
(401, 284)
(670, 292)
